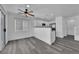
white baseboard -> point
(20, 38)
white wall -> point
(65, 30)
(12, 34)
(38, 22)
(72, 22)
(61, 26)
(70, 26)
(76, 20)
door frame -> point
(4, 26)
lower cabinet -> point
(44, 34)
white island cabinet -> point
(44, 34)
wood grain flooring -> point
(35, 46)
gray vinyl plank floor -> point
(33, 45)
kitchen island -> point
(44, 34)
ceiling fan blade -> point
(20, 10)
(30, 11)
(30, 14)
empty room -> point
(39, 28)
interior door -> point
(3, 30)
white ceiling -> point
(46, 10)
(14, 7)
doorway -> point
(70, 29)
(3, 28)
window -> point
(18, 25)
(25, 25)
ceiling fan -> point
(26, 12)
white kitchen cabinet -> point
(44, 34)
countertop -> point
(42, 26)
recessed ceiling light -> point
(28, 6)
